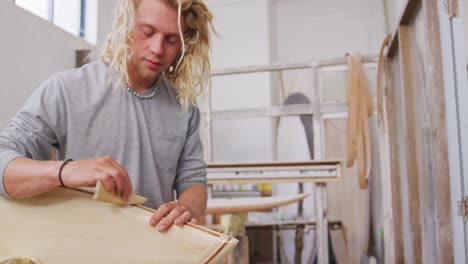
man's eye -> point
(173, 39)
(147, 32)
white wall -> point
(243, 41)
(32, 49)
(105, 20)
(314, 30)
(393, 10)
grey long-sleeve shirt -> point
(85, 114)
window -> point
(70, 15)
(67, 15)
(38, 7)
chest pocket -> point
(168, 150)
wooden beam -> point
(320, 171)
(393, 46)
(409, 12)
(276, 164)
(322, 223)
(286, 66)
(411, 154)
(439, 149)
(241, 180)
(394, 149)
(407, 15)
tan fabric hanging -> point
(359, 109)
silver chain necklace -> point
(149, 96)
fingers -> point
(161, 212)
(114, 177)
(126, 182)
(185, 217)
(109, 184)
(168, 214)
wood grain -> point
(408, 121)
(68, 226)
(395, 145)
(439, 150)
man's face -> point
(156, 40)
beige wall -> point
(32, 49)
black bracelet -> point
(60, 172)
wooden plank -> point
(406, 17)
(394, 148)
(272, 111)
(417, 71)
(272, 180)
(411, 163)
(275, 172)
(332, 162)
(384, 148)
(322, 223)
(439, 150)
(393, 46)
(456, 96)
(291, 224)
(410, 10)
(285, 66)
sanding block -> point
(101, 194)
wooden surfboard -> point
(238, 205)
(68, 226)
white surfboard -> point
(239, 205)
(68, 226)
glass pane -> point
(67, 15)
(91, 21)
(37, 7)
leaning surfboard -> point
(239, 205)
(68, 226)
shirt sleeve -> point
(191, 168)
(32, 133)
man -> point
(128, 120)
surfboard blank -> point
(238, 205)
(68, 226)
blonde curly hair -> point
(191, 71)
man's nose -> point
(157, 45)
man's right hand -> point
(24, 177)
(86, 173)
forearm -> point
(25, 177)
(195, 197)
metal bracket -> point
(451, 8)
(463, 208)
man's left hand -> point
(171, 213)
